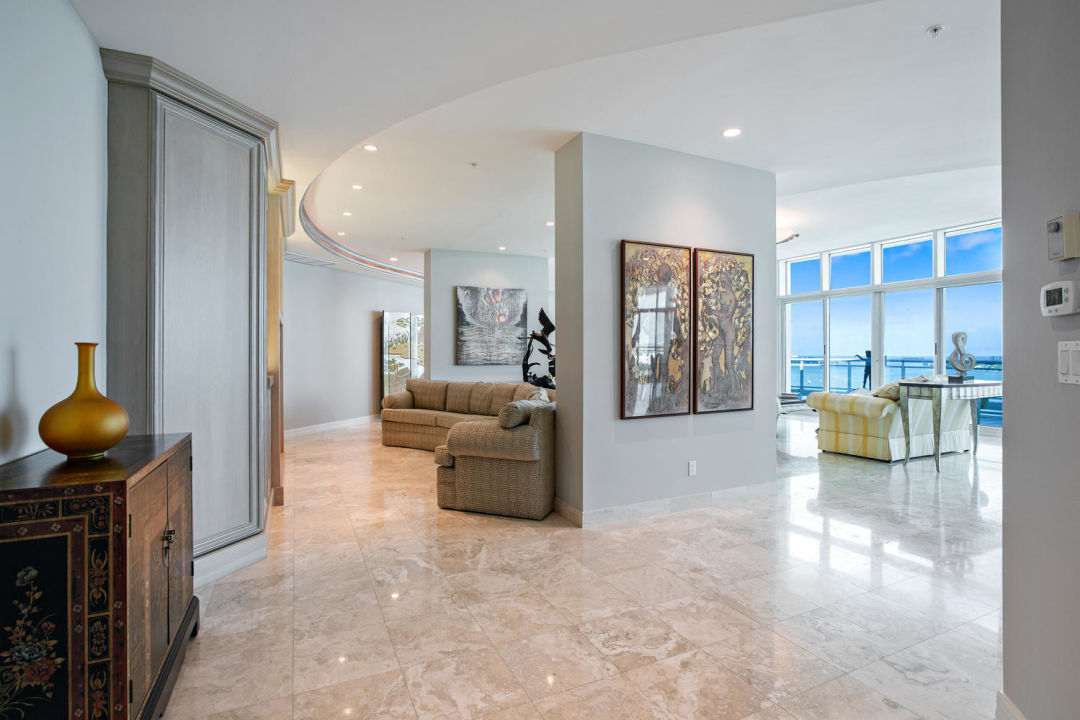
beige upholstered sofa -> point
(503, 468)
(421, 415)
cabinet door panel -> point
(180, 580)
(211, 325)
(148, 581)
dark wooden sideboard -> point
(96, 595)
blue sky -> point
(909, 315)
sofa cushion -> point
(457, 396)
(427, 394)
(525, 391)
(518, 412)
(443, 458)
(449, 419)
(411, 417)
(504, 393)
(480, 400)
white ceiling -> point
(851, 215)
(853, 95)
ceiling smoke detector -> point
(935, 30)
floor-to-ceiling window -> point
(908, 327)
(806, 361)
(850, 354)
(862, 316)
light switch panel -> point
(1069, 362)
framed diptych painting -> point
(655, 330)
(491, 326)
(723, 331)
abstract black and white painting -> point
(491, 326)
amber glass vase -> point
(85, 424)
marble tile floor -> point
(860, 590)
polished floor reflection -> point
(861, 590)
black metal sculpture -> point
(540, 336)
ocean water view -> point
(806, 375)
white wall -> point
(1041, 179)
(52, 200)
(608, 190)
(333, 324)
(446, 269)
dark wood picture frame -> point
(697, 374)
(623, 367)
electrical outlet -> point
(691, 468)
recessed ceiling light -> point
(550, 223)
(357, 187)
(502, 247)
(347, 214)
(732, 132)
(393, 259)
(371, 148)
(341, 233)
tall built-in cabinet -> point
(190, 176)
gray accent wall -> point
(333, 322)
(52, 199)
(608, 190)
(1041, 180)
(446, 269)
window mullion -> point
(877, 339)
(825, 354)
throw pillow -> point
(889, 392)
(892, 390)
(525, 391)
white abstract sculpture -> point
(961, 361)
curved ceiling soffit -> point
(347, 254)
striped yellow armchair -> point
(871, 427)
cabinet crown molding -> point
(148, 72)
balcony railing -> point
(806, 375)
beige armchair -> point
(503, 468)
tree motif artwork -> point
(723, 331)
(491, 326)
(655, 330)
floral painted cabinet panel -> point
(61, 598)
(84, 583)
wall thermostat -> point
(1063, 237)
(1058, 298)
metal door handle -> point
(167, 539)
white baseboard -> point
(664, 506)
(568, 511)
(1006, 710)
(216, 565)
(336, 425)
